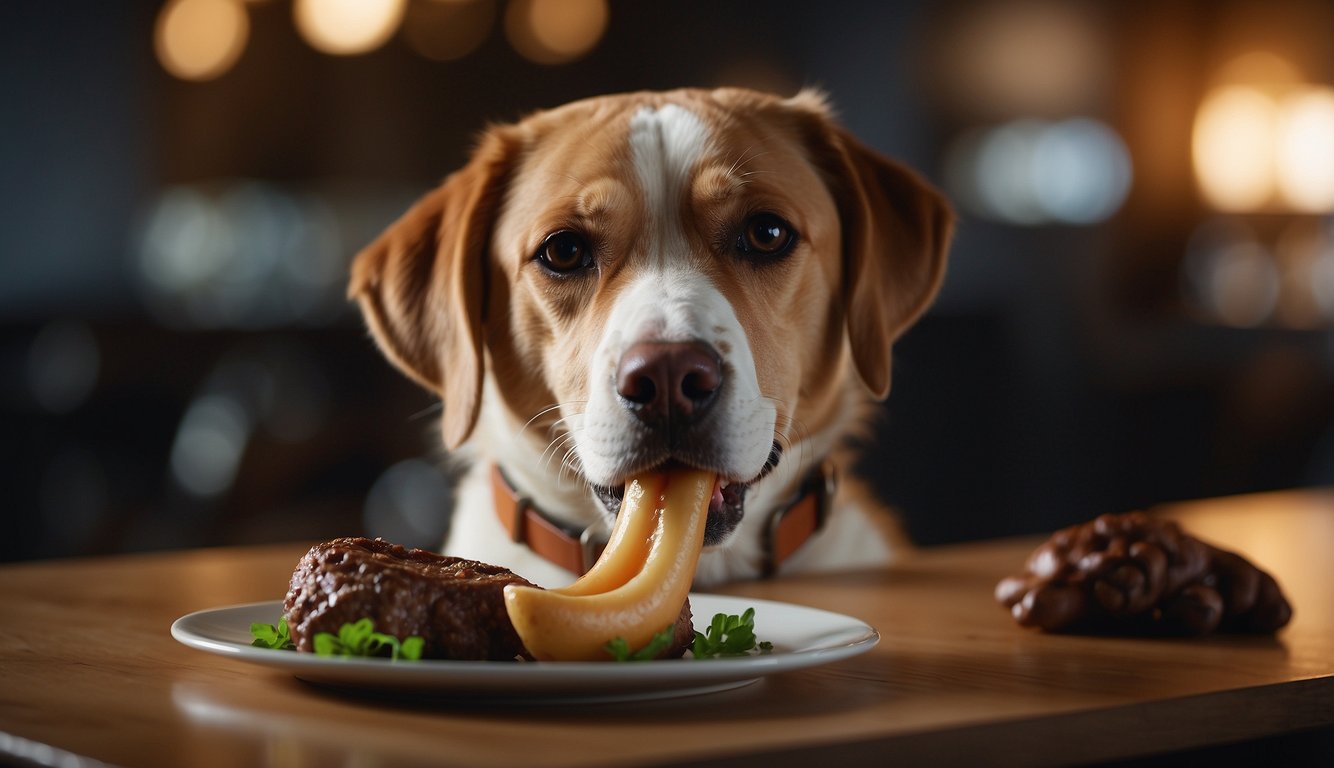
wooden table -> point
(87, 668)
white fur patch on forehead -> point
(666, 143)
(675, 303)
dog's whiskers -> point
(561, 445)
(797, 437)
(571, 462)
(570, 465)
(736, 172)
(554, 407)
(793, 430)
(427, 411)
(790, 432)
(558, 433)
(749, 154)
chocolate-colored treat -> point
(457, 606)
(1134, 574)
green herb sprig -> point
(269, 636)
(356, 639)
(360, 639)
(729, 635)
(619, 649)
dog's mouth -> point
(726, 507)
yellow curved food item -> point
(630, 539)
(574, 623)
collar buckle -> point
(574, 549)
(591, 544)
(786, 530)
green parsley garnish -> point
(356, 639)
(729, 636)
(269, 636)
(619, 650)
(726, 636)
(360, 639)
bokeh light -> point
(1081, 171)
(448, 30)
(1305, 150)
(1243, 284)
(1304, 251)
(1264, 141)
(347, 27)
(1001, 174)
(1230, 275)
(209, 444)
(243, 254)
(555, 31)
(1006, 58)
(183, 242)
(1246, 271)
(63, 365)
(200, 39)
(1031, 172)
(1233, 147)
(410, 503)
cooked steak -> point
(457, 606)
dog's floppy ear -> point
(896, 233)
(422, 284)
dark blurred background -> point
(1139, 306)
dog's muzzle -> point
(670, 387)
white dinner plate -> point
(802, 637)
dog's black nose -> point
(669, 381)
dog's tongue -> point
(716, 500)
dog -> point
(710, 278)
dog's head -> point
(687, 277)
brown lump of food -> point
(1134, 574)
(457, 606)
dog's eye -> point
(565, 252)
(765, 235)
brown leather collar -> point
(575, 550)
